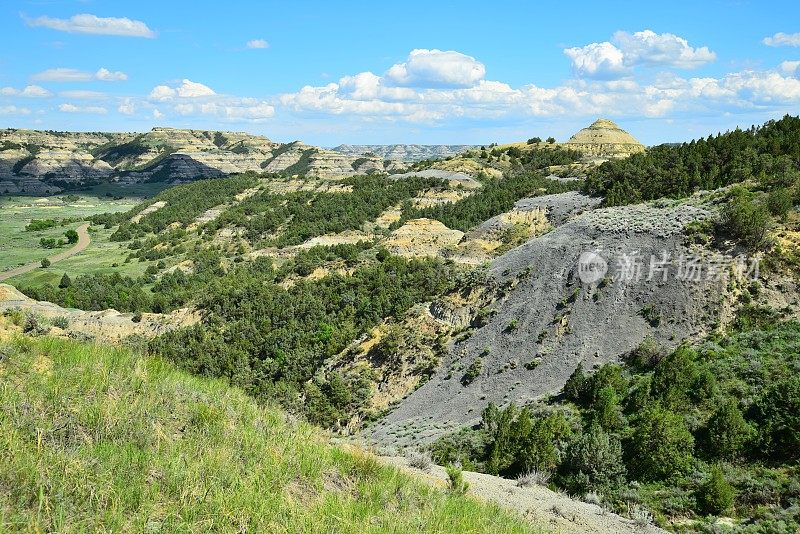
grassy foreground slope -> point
(96, 438)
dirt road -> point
(80, 246)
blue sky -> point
(410, 72)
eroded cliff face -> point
(548, 318)
(39, 162)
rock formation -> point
(604, 139)
(39, 162)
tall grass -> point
(94, 438)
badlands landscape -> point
(438, 314)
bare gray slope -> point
(537, 503)
(549, 321)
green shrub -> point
(45, 263)
(473, 371)
(37, 225)
(777, 412)
(728, 432)
(779, 202)
(456, 481)
(594, 461)
(661, 447)
(715, 495)
(60, 322)
(72, 236)
(746, 219)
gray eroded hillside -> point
(548, 321)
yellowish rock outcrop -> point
(604, 139)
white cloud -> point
(187, 89)
(8, 91)
(362, 86)
(160, 93)
(764, 86)
(127, 107)
(647, 47)
(75, 75)
(368, 97)
(436, 68)
(62, 75)
(34, 91)
(81, 94)
(789, 67)
(14, 110)
(255, 112)
(86, 23)
(617, 58)
(157, 114)
(782, 39)
(72, 108)
(257, 43)
(109, 76)
(597, 60)
(190, 89)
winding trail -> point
(80, 246)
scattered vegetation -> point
(706, 430)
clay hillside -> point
(604, 139)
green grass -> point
(18, 247)
(101, 439)
(99, 258)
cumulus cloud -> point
(435, 68)
(75, 75)
(368, 97)
(257, 43)
(32, 91)
(608, 60)
(597, 60)
(190, 89)
(789, 67)
(648, 47)
(764, 86)
(92, 24)
(194, 99)
(782, 39)
(72, 108)
(109, 76)
(157, 114)
(186, 89)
